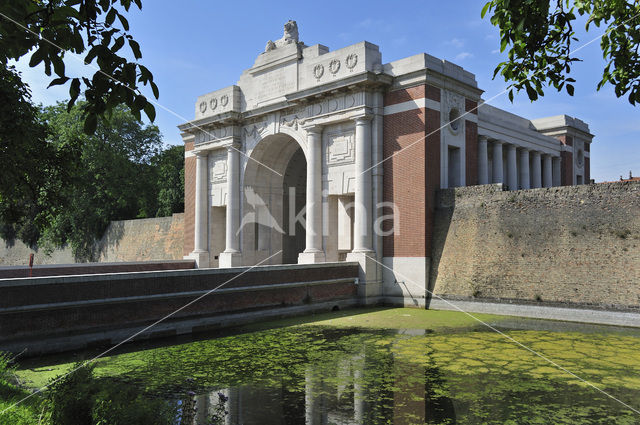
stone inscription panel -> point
(275, 83)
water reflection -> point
(369, 386)
(327, 375)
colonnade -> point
(515, 166)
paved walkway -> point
(602, 317)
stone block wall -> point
(159, 238)
(150, 239)
(570, 245)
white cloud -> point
(463, 55)
(455, 42)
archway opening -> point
(274, 196)
(294, 201)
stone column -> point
(200, 253)
(557, 176)
(313, 252)
(483, 161)
(497, 162)
(232, 257)
(547, 172)
(363, 208)
(370, 286)
(331, 228)
(512, 167)
(536, 171)
(524, 169)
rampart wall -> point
(567, 245)
(148, 239)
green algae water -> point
(384, 366)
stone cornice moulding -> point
(570, 131)
(441, 81)
(224, 119)
(187, 137)
(341, 116)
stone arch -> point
(276, 163)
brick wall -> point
(587, 168)
(575, 245)
(404, 181)
(100, 306)
(566, 167)
(412, 172)
(566, 161)
(471, 148)
(189, 199)
(432, 174)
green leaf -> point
(74, 92)
(90, 123)
(111, 17)
(124, 22)
(36, 57)
(485, 9)
(117, 45)
(155, 90)
(150, 111)
(139, 103)
(570, 89)
(503, 44)
(58, 81)
(135, 48)
(531, 92)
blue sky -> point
(194, 47)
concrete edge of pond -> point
(581, 315)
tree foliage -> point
(169, 165)
(540, 36)
(112, 176)
(96, 29)
(73, 184)
(31, 165)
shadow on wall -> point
(445, 206)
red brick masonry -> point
(33, 310)
(94, 268)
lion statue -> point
(290, 36)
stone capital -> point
(362, 119)
(313, 129)
(234, 146)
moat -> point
(380, 366)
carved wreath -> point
(318, 71)
(213, 103)
(334, 66)
(203, 107)
(224, 100)
(351, 61)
